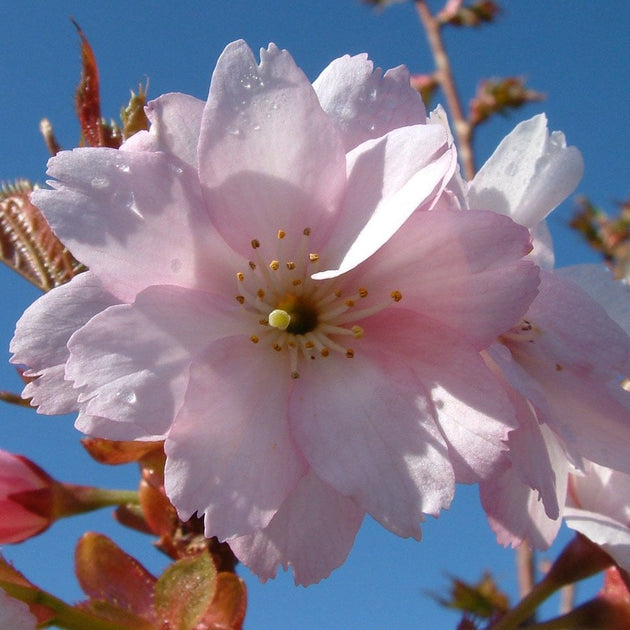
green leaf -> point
(184, 592)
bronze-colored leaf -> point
(96, 132)
(133, 117)
(106, 573)
(498, 96)
(115, 452)
(229, 604)
(28, 245)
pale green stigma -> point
(279, 319)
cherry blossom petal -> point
(41, 338)
(610, 534)
(15, 614)
(230, 455)
(133, 205)
(516, 513)
(367, 430)
(598, 507)
(592, 418)
(312, 532)
(269, 157)
(131, 361)
(376, 206)
(575, 331)
(175, 124)
(599, 282)
(472, 408)
(363, 103)
(528, 175)
(466, 271)
(602, 490)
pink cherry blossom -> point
(562, 363)
(20, 475)
(15, 614)
(598, 507)
(270, 292)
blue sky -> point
(575, 52)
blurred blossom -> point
(562, 362)
(598, 506)
(14, 614)
(25, 498)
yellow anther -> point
(306, 231)
(349, 303)
(255, 243)
(252, 265)
(240, 276)
(277, 347)
(309, 344)
(260, 293)
(363, 292)
(324, 352)
(297, 282)
(313, 257)
(279, 319)
(295, 375)
(240, 299)
(350, 353)
(274, 265)
(396, 296)
(357, 332)
(254, 339)
(281, 233)
(291, 266)
(337, 293)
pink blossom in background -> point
(15, 614)
(277, 290)
(598, 506)
(563, 361)
(19, 475)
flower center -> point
(291, 312)
(294, 314)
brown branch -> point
(463, 129)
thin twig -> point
(526, 569)
(463, 129)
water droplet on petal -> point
(125, 168)
(100, 183)
(256, 127)
(177, 170)
(127, 396)
(234, 132)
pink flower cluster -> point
(292, 286)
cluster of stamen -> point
(524, 331)
(292, 312)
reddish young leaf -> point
(106, 573)
(28, 245)
(227, 610)
(115, 452)
(88, 103)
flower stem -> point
(463, 128)
(73, 499)
(526, 607)
(66, 616)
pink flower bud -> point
(25, 498)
